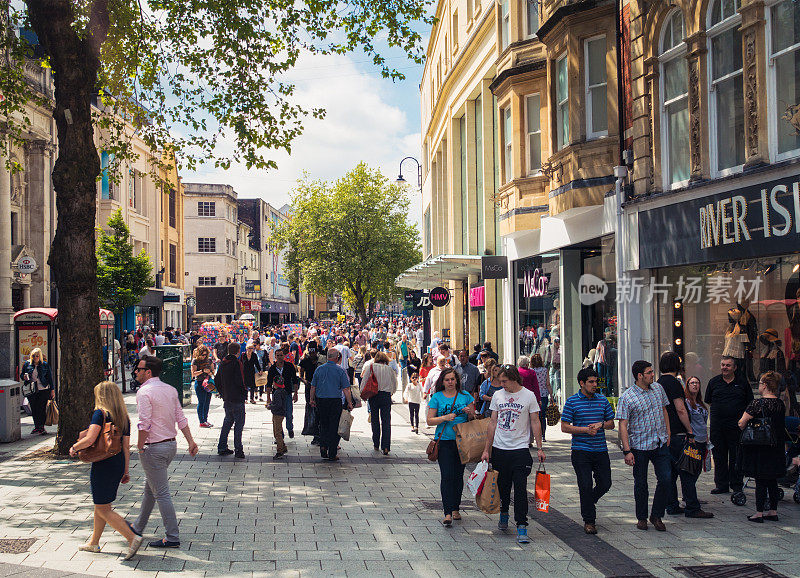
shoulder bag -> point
(107, 444)
(433, 446)
(759, 431)
(371, 387)
(553, 414)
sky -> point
(368, 119)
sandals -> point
(456, 516)
(447, 522)
(89, 548)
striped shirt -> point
(581, 411)
(644, 410)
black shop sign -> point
(754, 221)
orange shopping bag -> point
(542, 494)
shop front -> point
(727, 269)
(173, 308)
(274, 312)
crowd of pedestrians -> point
(663, 420)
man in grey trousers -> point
(159, 413)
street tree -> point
(122, 277)
(188, 75)
(350, 237)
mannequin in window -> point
(740, 339)
(606, 361)
(792, 333)
(772, 358)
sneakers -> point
(206, 424)
(590, 528)
(291, 434)
(225, 452)
(502, 525)
(239, 455)
(163, 543)
(700, 514)
(134, 547)
(522, 535)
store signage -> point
(477, 296)
(494, 267)
(755, 221)
(535, 283)
(439, 297)
(26, 265)
(172, 298)
(252, 286)
(191, 301)
(248, 305)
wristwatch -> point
(626, 452)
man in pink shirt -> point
(159, 413)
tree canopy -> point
(350, 237)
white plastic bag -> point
(476, 478)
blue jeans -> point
(555, 381)
(203, 402)
(234, 417)
(452, 476)
(542, 415)
(289, 414)
(662, 464)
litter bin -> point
(174, 357)
(10, 402)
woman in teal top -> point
(447, 407)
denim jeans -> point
(203, 402)
(542, 415)
(555, 381)
(380, 406)
(587, 464)
(452, 476)
(289, 414)
(688, 481)
(662, 464)
(234, 417)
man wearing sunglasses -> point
(159, 413)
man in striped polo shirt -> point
(586, 416)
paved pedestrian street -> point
(365, 515)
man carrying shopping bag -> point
(515, 413)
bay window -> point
(674, 104)
(534, 132)
(596, 87)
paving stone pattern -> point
(365, 515)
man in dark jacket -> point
(282, 384)
(230, 384)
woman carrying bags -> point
(380, 404)
(202, 368)
(36, 372)
(447, 407)
(106, 475)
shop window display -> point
(537, 293)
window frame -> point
(591, 134)
(172, 208)
(210, 242)
(508, 144)
(664, 57)
(173, 263)
(206, 205)
(505, 24)
(712, 31)
(204, 281)
(562, 106)
(772, 93)
(529, 33)
(528, 134)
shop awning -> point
(436, 270)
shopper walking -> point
(448, 407)
(766, 463)
(230, 384)
(414, 397)
(645, 436)
(308, 366)
(106, 475)
(727, 396)
(380, 404)
(250, 366)
(327, 386)
(36, 372)
(159, 413)
(489, 387)
(202, 368)
(680, 427)
(514, 420)
(282, 387)
(586, 416)
(469, 374)
(545, 392)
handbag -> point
(107, 444)
(433, 447)
(356, 397)
(52, 413)
(371, 387)
(690, 460)
(553, 414)
(28, 388)
(759, 432)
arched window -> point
(783, 59)
(725, 87)
(674, 103)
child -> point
(413, 394)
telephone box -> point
(38, 327)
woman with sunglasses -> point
(515, 414)
(447, 407)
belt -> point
(159, 442)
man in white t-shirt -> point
(515, 414)
(433, 375)
(344, 359)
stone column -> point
(698, 108)
(6, 275)
(756, 150)
(39, 200)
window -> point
(207, 244)
(562, 103)
(135, 190)
(172, 208)
(106, 180)
(726, 89)
(594, 58)
(206, 281)
(507, 144)
(533, 105)
(783, 68)
(674, 104)
(173, 264)
(532, 16)
(228, 247)
(227, 280)
(206, 209)
(505, 24)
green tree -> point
(350, 237)
(187, 74)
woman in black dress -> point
(250, 366)
(107, 474)
(766, 463)
(36, 371)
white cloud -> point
(361, 124)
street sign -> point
(439, 297)
(494, 267)
(26, 265)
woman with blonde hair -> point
(202, 367)
(37, 374)
(106, 475)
